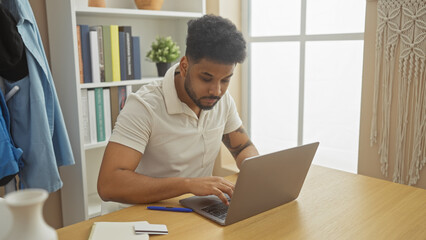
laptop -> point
(264, 182)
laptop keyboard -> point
(218, 210)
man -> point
(169, 133)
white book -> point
(92, 115)
(129, 90)
(107, 113)
(85, 116)
(115, 230)
(152, 229)
(94, 57)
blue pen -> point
(172, 209)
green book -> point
(100, 119)
(106, 34)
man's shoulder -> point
(149, 90)
(150, 94)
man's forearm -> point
(239, 145)
(130, 187)
(127, 186)
(119, 182)
(247, 152)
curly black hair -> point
(214, 38)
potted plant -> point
(163, 52)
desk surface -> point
(332, 205)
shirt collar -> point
(173, 103)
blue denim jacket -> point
(37, 124)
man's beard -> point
(191, 94)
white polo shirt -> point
(173, 140)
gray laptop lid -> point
(264, 182)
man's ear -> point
(183, 66)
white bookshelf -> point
(88, 146)
(120, 83)
(80, 200)
(128, 13)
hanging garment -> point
(13, 61)
(10, 155)
(13, 66)
(37, 124)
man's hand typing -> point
(211, 186)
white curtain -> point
(400, 60)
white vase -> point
(5, 219)
(26, 208)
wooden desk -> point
(332, 205)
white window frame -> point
(302, 39)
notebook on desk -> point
(264, 182)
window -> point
(305, 72)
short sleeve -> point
(133, 126)
(233, 121)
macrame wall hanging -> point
(400, 60)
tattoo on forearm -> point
(241, 130)
(236, 150)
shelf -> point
(119, 83)
(122, 12)
(95, 145)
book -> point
(100, 51)
(129, 90)
(115, 53)
(94, 57)
(85, 53)
(80, 57)
(122, 96)
(107, 113)
(115, 105)
(85, 115)
(152, 229)
(136, 58)
(116, 230)
(100, 121)
(118, 97)
(106, 35)
(123, 67)
(92, 115)
(128, 45)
